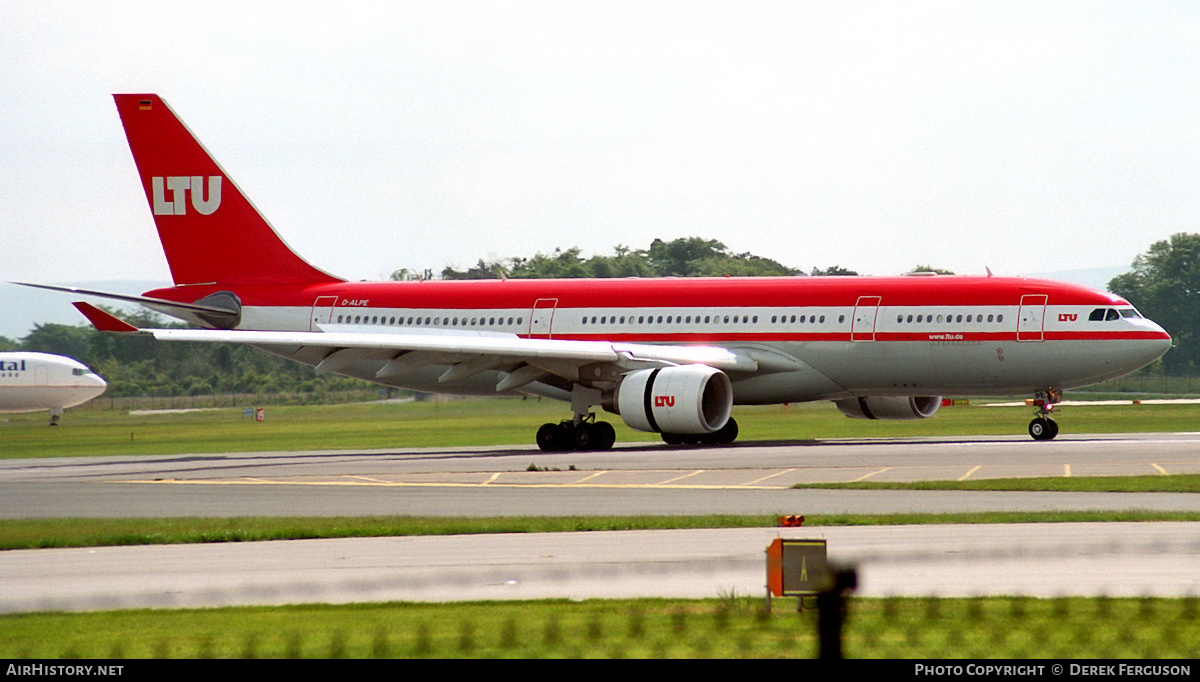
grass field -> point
(731, 626)
(459, 423)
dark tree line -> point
(142, 366)
(684, 257)
(1164, 285)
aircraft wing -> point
(524, 360)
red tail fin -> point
(210, 231)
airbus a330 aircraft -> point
(668, 355)
(36, 382)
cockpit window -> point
(1111, 314)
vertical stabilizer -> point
(210, 231)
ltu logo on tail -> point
(178, 186)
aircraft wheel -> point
(672, 438)
(552, 437)
(1043, 429)
(584, 436)
(723, 436)
(606, 436)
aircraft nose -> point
(97, 384)
(1158, 341)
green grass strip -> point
(499, 422)
(729, 626)
(78, 532)
(1180, 483)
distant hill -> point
(23, 307)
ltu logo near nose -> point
(178, 186)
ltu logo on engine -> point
(178, 186)
(664, 401)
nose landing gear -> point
(1043, 427)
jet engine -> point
(691, 399)
(890, 407)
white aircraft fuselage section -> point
(806, 338)
(37, 382)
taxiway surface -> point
(1034, 559)
(753, 478)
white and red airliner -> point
(37, 382)
(668, 355)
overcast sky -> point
(1021, 136)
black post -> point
(831, 612)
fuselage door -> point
(322, 311)
(862, 327)
(1031, 318)
(541, 318)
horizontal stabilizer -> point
(104, 321)
(144, 300)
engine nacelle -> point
(685, 399)
(890, 407)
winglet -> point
(103, 321)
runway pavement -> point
(746, 479)
(753, 478)
(1043, 560)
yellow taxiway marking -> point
(482, 484)
(494, 477)
(369, 479)
(680, 478)
(1160, 469)
(1066, 471)
(968, 474)
(777, 473)
(863, 478)
(588, 478)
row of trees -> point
(685, 257)
(1164, 284)
(141, 366)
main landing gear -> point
(580, 435)
(1043, 427)
(586, 434)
